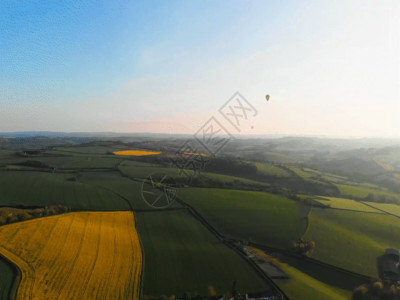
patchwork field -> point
(271, 170)
(40, 189)
(94, 255)
(182, 255)
(355, 238)
(260, 217)
(341, 203)
(301, 286)
(362, 192)
(78, 162)
(393, 209)
(129, 190)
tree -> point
(360, 293)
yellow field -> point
(194, 153)
(91, 255)
(136, 153)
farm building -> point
(388, 266)
(393, 254)
(390, 271)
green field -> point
(82, 149)
(79, 162)
(352, 240)
(271, 170)
(143, 171)
(393, 209)
(181, 255)
(260, 217)
(301, 286)
(362, 192)
(279, 157)
(41, 188)
(113, 181)
(341, 203)
(7, 277)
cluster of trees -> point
(380, 199)
(10, 215)
(231, 166)
(304, 247)
(35, 164)
(376, 291)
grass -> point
(75, 256)
(79, 162)
(7, 279)
(271, 170)
(145, 171)
(80, 150)
(279, 157)
(227, 179)
(41, 188)
(123, 186)
(301, 286)
(260, 217)
(393, 209)
(342, 203)
(142, 171)
(352, 240)
(302, 173)
(362, 192)
(182, 256)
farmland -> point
(75, 256)
(356, 238)
(187, 247)
(136, 153)
(259, 217)
(182, 256)
(8, 277)
(43, 188)
(389, 208)
(348, 204)
(300, 285)
(271, 170)
(362, 192)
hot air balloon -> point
(267, 97)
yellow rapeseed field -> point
(136, 153)
(194, 153)
(88, 255)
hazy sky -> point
(331, 67)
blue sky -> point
(331, 67)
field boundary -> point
(229, 244)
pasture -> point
(302, 286)
(260, 217)
(126, 189)
(342, 203)
(181, 255)
(8, 275)
(271, 170)
(42, 188)
(363, 192)
(393, 209)
(352, 240)
(75, 256)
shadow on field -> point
(326, 275)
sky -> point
(331, 68)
